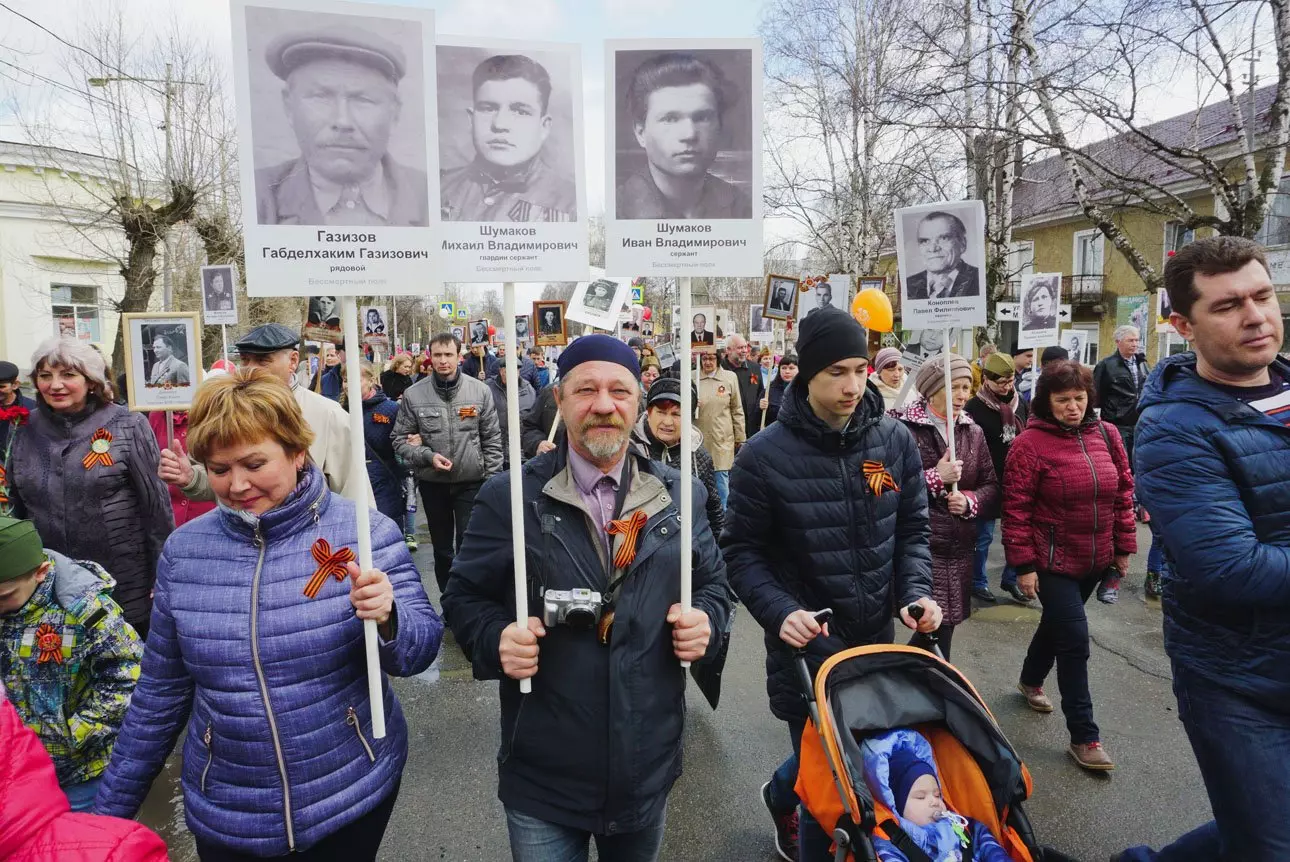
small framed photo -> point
(551, 331)
(781, 297)
(323, 323)
(479, 332)
(460, 332)
(219, 289)
(702, 320)
(163, 359)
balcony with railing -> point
(1078, 291)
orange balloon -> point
(872, 309)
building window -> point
(1177, 236)
(1276, 224)
(1086, 280)
(1021, 262)
(75, 308)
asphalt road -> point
(448, 810)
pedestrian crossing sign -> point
(463, 314)
(447, 309)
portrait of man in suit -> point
(700, 334)
(342, 101)
(942, 241)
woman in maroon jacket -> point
(958, 492)
(1067, 517)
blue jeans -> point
(81, 796)
(534, 840)
(1156, 556)
(723, 486)
(1242, 748)
(984, 539)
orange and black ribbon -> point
(630, 528)
(50, 643)
(99, 453)
(380, 419)
(878, 479)
(330, 564)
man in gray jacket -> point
(447, 431)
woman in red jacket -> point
(36, 823)
(1067, 517)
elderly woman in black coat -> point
(84, 469)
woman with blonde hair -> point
(84, 470)
(398, 376)
(257, 648)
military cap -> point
(269, 338)
(21, 551)
(8, 371)
(290, 51)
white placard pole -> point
(357, 452)
(949, 402)
(394, 338)
(516, 474)
(687, 453)
(555, 426)
(223, 340)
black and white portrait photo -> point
(373, 320)
(219, 303)
(599, 302)
(684, 132)
(163, 359)
(324, 311)
(522, 328)
(941, 256)
(702, 320)
(550, 323)
(337, 111)
(479, 332)
(1076, 343)
(781, 297)
(831, 292)
(506, 135)
(460, 333)
(1039, 302)
(761, 329)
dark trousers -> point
(944, 637)
(1062, 638)
(448, 508)
(355, 842)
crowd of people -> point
(196, 579)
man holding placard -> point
(600, 742)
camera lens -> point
(579, 618)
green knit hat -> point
(21, 551)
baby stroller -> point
(872, 689)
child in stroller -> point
(900, 769)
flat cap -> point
(269, 338)
(20, 549)
(8, 371)
(290, 51)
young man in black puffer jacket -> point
(828, 509)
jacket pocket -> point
(351, 718)
(208, 738)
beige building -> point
(58, 253)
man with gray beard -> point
(601, 522)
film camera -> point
(579, 609)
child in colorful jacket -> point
(67, 656)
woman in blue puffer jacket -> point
(256, 648)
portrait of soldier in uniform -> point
(341, 97)
(600, 295)
(509, 178)
(677, 103)
(218, 292)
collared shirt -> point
(597, 489)
(365, 203)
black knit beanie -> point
(826, 336)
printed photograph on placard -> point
(781, 297)
(761, 329)
(1163, 309)
(322, 322)
(163, 359)
(336, 111)
(1076, 343)
(831, 292)
(460, 333)
(374, 328)
(219, 301)
(522, 333)
(479, 332)
(683, 156)
(549, 315)
(702, 320)
(597, 303)
(1040, 300)
(941, 256)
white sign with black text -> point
(940, 250)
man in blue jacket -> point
(1213, 466)
(828, 509)
(599, 744)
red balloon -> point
(492, 330)
(646, 313)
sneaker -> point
(984, 594)
(1152, 585)
(785, 828)
(1108, 592)
(1091, 756)
(411, 541)
(1017, 595)
(1035, 697)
